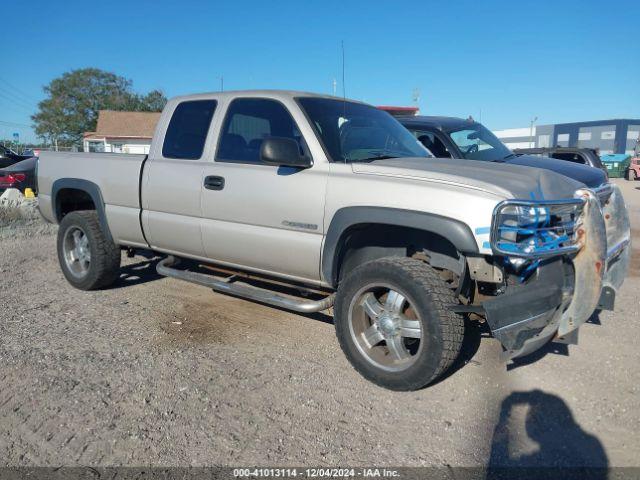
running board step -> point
(166, 268)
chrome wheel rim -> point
(76, 251)
(385, 327)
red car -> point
(20, 175)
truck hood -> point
(591, 177)
(501, 179)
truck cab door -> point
(262, 217)
(172, 181)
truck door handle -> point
(214, 183)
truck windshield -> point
(354, 132)
(477, 143)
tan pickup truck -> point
(339, 202)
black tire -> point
(631, 175)
(104, 266)
(430, 298)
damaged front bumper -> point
(618, 228)
(566, 290)
(527, 316)
(602, 263)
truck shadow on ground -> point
(554, 348)
(138, 273)
(474, 332)
(536, 435)
(550, 348)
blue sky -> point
(512, 60)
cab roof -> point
(277, 94)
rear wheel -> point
(631, 175)
(88, 258)
(394, 323)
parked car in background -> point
(617, 164)
(335, 199)
(584, 156)
(450, 137)
(20, 175)
(9, 157)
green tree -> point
(74, 99)
(154, 101)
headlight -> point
(535, 229)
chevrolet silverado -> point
(337, 200)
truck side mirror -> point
(283, 152)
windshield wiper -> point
(502, 160)
(377, 157)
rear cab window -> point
(571, 157)
(187, 130)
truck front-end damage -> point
(561, 261)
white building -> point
(122, 132)
(517, 137)
(620, 135)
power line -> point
(11, 94)
(17, 97)
(14, 124)
(19, 91)
(17, 102)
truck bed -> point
(118, 178)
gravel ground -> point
(159, 372)
(23, 221)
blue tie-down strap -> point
(528, 270)
(542, 242)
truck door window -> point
(187, 131)
(248, 122)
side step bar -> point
(166, 268)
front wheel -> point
(88, 258)
(632, 175)
(394, 323)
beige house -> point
(122, 132)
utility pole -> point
(221, 77)
(415, 96)
(533, 121)
(344, 88)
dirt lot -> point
(155, 371)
